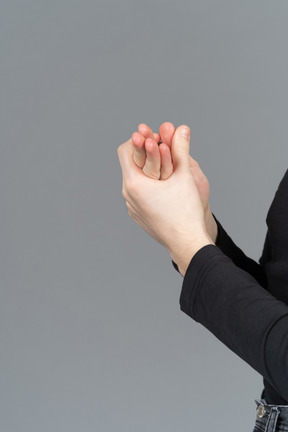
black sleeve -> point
(232, 305)
(229, 248)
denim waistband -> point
(271, 417)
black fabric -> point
(245, 303)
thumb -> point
(180, 148)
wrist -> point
(183, 254)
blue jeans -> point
(270, 418)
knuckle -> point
(124, 189)
(121, 147)
(124, 193)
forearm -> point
(221, 239)
(239, 312)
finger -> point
(145, 130)
(180, 149)
(153, 160)
(166, 161)
(166, 132)
(139, 149)
(156, 137)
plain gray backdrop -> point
(91, 333)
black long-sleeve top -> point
(245, 303)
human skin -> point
(170, 211)
(152, 153)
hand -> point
(152, 153)
(170, 211)
(153, 156)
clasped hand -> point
(170, 211)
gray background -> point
(92, 336)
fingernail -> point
(185, 132)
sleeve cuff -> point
(204, 258)
(220, 240)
